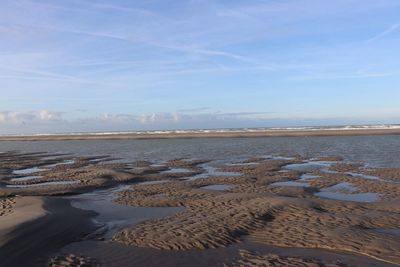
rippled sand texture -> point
(207, 223)
(273, 201)
(337, 227)
(44, 174)
(6, 206)
(72, 261)
(284, 216)
(249, 259)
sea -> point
(374, 151)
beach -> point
(232, 203)
(199, 133)
(228, 133)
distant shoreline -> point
(215, 134)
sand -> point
(328, 228)
(280, 216)
(249, 259)
(254, 209)
(39, 227)
(16, 211)
(84, 174)
(6, 206)
(71, 261)
(392, 174)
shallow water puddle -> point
(217, 187)
(360, 197)
(98, 159)
(368, 177)
(395, 232)
(67, 162)
(212, 171)
(291, 183)
(157, 165)
(28, 171)
(343, 187)
(242, 164)
(278, 157)
(345, 191)
(153, 182)
(307, 177)
(42, 168)
(44, 184)
(26, 178)
(114, 216)
(177, 170)
(308, 166)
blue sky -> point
(96, 65)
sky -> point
(97, 65)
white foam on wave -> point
(225, 130)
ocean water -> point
(380, 151)
(231, 130)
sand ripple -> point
(6, 206)
(72, 261)
(272, 215)
(249, 259)
(211, 222)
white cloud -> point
(33, 117)
(158, 118)
(8, 117)
(45, 121)
(46, 115)
(51, 121)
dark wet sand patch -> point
(31, 243)
(115, 254)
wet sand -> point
(283, 216)
(16, 211)
(270, 211)
(235, 134)
(115, 254)
(52, 225)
